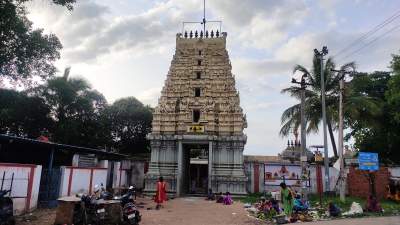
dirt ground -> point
(196, 211)
(393, 220)
(38, 217)
(187, 211)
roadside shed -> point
(53, 170)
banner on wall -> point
(276, 174)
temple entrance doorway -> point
(196, 169)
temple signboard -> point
(195, 129)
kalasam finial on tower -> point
(204, 22)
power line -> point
(372, 31)
(372, 41)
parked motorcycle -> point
(130, 213)
(104, 194)
(6, 209)
(90, 211)
(6, 203)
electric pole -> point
(303, 157)
(321, 55)
(341, 171)
(342, 180)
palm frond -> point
(290, 113)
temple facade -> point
(197, 137)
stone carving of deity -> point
(210, 104)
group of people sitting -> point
(225, 199)
(265, 205)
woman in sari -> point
(161, 194)
(287, 199)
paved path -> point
(196, 211)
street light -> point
(321, 55)
(303, 158)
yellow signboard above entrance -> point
(195, 129)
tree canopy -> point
(313, 111)
(129, 122)
(67, 110)
(26, 53)
(371, 107)
(380, 132)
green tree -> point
(76, 110)
(380, 132)
(291, 117)
(129, 121)
(23, 115)
(393, 93)
(25, 53)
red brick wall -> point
(357, 182)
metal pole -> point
(204, 17)
(341, 172)
(326, 158)
(303, 138)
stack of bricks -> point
(358, 182)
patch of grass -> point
(250, 198)
(389, 207)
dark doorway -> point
(49, 189)
(195, 169)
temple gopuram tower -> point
(197, 137)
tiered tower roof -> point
(199, 95)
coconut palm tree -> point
(313, 111)
(75, 108)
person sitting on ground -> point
(228, 199)
(262, 204)
(210, 195)
(373, 205)
(299, 204)
(275, 205)
(220, 198)
(333, 210)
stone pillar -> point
(210, 164)
(179, 180)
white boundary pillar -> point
(210, 164)
(180, 170)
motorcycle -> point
(6, 204)
(6, 209)
(90, 211)
(104, 194)
(130, 213)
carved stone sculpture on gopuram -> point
(199, 107)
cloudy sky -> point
(124, 47)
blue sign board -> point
(368, 161)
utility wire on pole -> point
(342, 180)
(321, 55)
(365, 36)
(303, 157)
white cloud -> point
(260, 23)
(127, 53)
(150, 96)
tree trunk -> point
(328, 122)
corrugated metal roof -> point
(56, 146)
